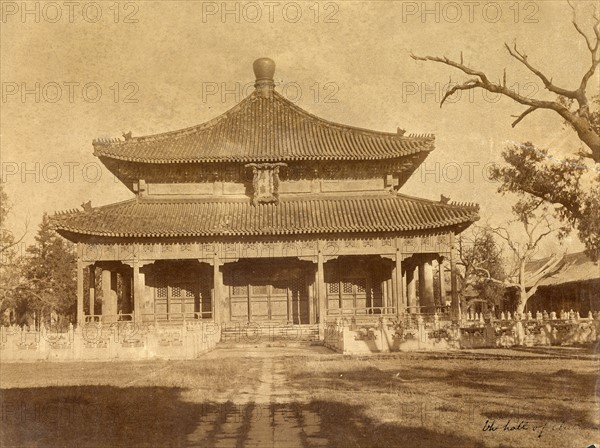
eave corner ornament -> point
(265, 183)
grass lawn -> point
(491, 398)
(112, 404)
(495, 398)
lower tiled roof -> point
(305, 215)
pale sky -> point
(183, 63)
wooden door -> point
(238, 294)
(259, 300)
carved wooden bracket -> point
(265, 183)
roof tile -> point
(376, 213)
(261, 129)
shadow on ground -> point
(104, 416)
(499, 393)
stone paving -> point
(272, 415)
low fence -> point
(119, 340)
(429, 332)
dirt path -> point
(271, 415)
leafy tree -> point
(574, 199)
(51, 272)
(11, 263)
(481, 272)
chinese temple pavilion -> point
(264, 213)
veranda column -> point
(399, 303)
(109, 297)
(127, 296)
(217, 290)
(453, 281)
(311, 304)
(92, 286)
(442, 282)
(80, 314)
(411, 288)
(139, 286)
(393, 291)
(321, 291)
(426, 285)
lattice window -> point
(347, 287)
(296, 284)
(189, 290)
(239, 290)
(333, 288)
(176, 291)
(259, 290)
(161, 292)
(361, 285)
(279, 291)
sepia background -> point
(98, 69)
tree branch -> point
(522, 58)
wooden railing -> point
(368, 311)
(148, 317)
(108, 318)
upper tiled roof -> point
(264, 129)
(298, 215)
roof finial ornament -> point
(264, 70)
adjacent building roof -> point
(264, 128)
(575, 267)
(298, 215)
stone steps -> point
(260, 333)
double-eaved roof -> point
(291, 216)
(264, 129)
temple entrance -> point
(182, 290)
(267, 291)
(355, 285)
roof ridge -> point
(178, 132)
(71, 211)
(452, 204)
(396, 135)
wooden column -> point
(394, 288)
(426, 297)
(218, 308)
(411, 288)
(453, 281)
(399, 302)
(139, 285)
(441, 280)
(126, 280)
(311, 303)
(92, 288)
(385, 293)
(80, 313)
(109, 297)
(321, 291)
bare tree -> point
(579, 117)
(533, 215)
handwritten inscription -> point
(517, 425)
